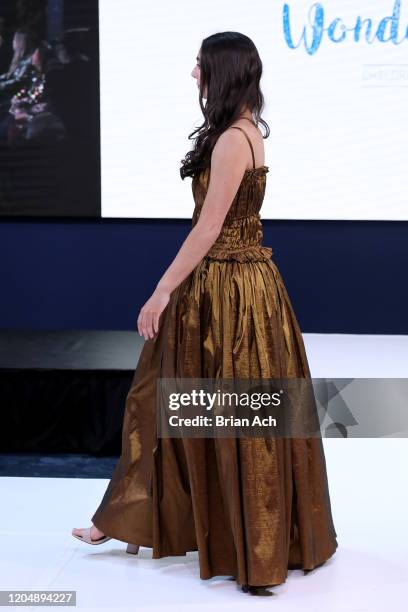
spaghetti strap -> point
(249, 142)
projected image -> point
(335, 83)
(49, 108)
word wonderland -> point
(387, 30)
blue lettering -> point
(358, 28)
(394, 20)
(312, 34)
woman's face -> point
(196, 74)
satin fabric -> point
(253, 508)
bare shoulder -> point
(256, 140)
(229, 150)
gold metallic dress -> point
(252, 507)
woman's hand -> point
(148, 319)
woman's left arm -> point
(228, 162)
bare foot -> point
(96, 534)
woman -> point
(251, 507)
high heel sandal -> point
(132, 549)
(86, 537)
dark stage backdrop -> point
(342, 277)
(49, 108)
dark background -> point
(56, 178)
(341, 276)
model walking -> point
(252, 507)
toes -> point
(76, 532)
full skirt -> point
(252, 507)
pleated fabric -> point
(253, 507)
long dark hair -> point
(231, 70)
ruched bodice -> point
(242, 232)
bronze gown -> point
(252, 507)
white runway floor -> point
(369, 494)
